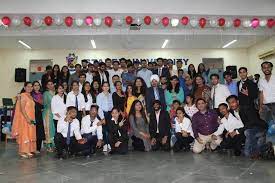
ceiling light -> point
(24, 44)
(165, 43)
(228, 44)
(93, 43)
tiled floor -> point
(157, 167)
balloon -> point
(255, 22)
(138, 20)
(263, 23)
(48, 20)
(175, 22)
(246, 23)
(156, 20)
(5, 130)
(27, 21)
(165, 21)
(228, 23)
(79, 22)
(89, 20)
(58, 21)
(202, 22)
(108, 21)
(213, 23)
(147, 20)
(97, 21)
(237, 22)
(6, 21)
(37, 22)
(69, 21)
(16, 21)
(193, 22)
(184, 20)
(118, 21)
(270, 23)
(221, 22)
(129, 20)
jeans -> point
(108, 117)
(255, 141)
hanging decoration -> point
(108, 21)
(6, 21)
(184, 20)
(69, 21)
(202, 22)
(221, 22)
(129, 20)
(27, 21)
(89, 20)
(255, 22)
(48, 20)
(165, 21)
(237, 22)
(147, 20)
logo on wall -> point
(71, 60)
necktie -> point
(214, 93)
(156, 94)
(92, 121)
(68, 139)
(76, 102)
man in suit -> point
(159, 128)
(102, 75)
(163, 69)
(154, 93)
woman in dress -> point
(201, 90)
(88, 96)
(23, 128)
(139, 90)
(119, 97)
(66, 87)
(192, 71)
(64, 74)
(173, 92)
(203, 72)
(190, 107)
(96, 89)
(130, 98)
(48, 116)
(38, 99)
(56, 75)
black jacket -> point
(114, 136)
(164, 125)
(150, 97)
(252, 93)
(97, 77)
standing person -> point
(48, 116)
(203, 72)
(139, 90)
(230, 83)
(163, 82)
(88, 96)
(190, 107)
(46, 77)
(23, 128)
(96, 89)
(140, 126)
(173, 92)
(75, 76)
(66, 88)
(90, 73)
(119, 97)
(76, 99)
(181, 76)
(129, 76)
(64, 74)
(115, 70)
(130, 98)
(123, 64)
(118, 133)
(145, 73)
(58, 105)
(102, 75)
(192, 71)
(84, 63)
(219, 92)
(172, 71)
(201, 90)
(184, 132)
(267, 93)
(136, 66)
(162, 69)
(179, 65)
(115, 78)
(188, 87)
(159, 128)
(154, 93)
(82, 79)
(204, 124)
(56, 75)
(38, 99)
(108, 63)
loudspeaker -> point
(20, 75)
(233, 70)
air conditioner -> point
(266, 54)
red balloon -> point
(185, 20)
(202, 22)
(270, 23)
(69, 21)
(48, 20)
(129, 20)
(6, 21)
(108, 21)
(147, 20)
(27, 21)
(237, 22)
(221, 22)
(165, 21)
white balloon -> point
(174, 22)
(37, 22)
(16, 21)
(118, 21)
(263, 23)
(246, 23)
(79, 22)
(97, 21)
(228, 23)
(156, 20)
(138, 20)
(213, 23)
(58, 20)
(194, 22)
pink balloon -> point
(255, 22)
(165, 21)
(89, 20)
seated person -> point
(173, 115)
(184, 132)
(118, 133)
(159, 128)
(91, 129)
(233, 129)
(68, 134)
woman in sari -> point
(139, 90)
(48, 116)
(23, 128)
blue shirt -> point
(128, 77)
(232, 87)
(105, 102)
(145, 74)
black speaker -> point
(20, 75)
(233, 70)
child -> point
(190, 108)
(184, 132)
(234, 128)
(172, 112)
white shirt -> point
(190, 111)
(157, 118)
(87, 128)
(89, 77)
(80, 87)
(71, 100)
(112, 72)
(102, 76)
(62, 127)
(58, 106)
(145, 74)
(185, 125)
(230, 124)
(221, 93)
(89, 102)
(268, 89)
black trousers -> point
(38, 144)
(138, 144)
(90, 146)
(60, 144)
(79, 117)
(182, 142)
(159, 145)
(55, 125)
(234, 143)
(121, 149)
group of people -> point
(122, 105)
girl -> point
(140, 126)
(201, 90)
(190, 108)
(89, 98)
(38, 99)
(203, 72)
(56, 75)
(95, 88)
(130, 98)
(118, 135)
(139, 90)
(48, 116)
(64, 74)
(66, 88)
(119, 97)
(192, 71)
(173, 92)
(184, 132)
(23, 128)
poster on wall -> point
(214, 66)
(37, 68)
